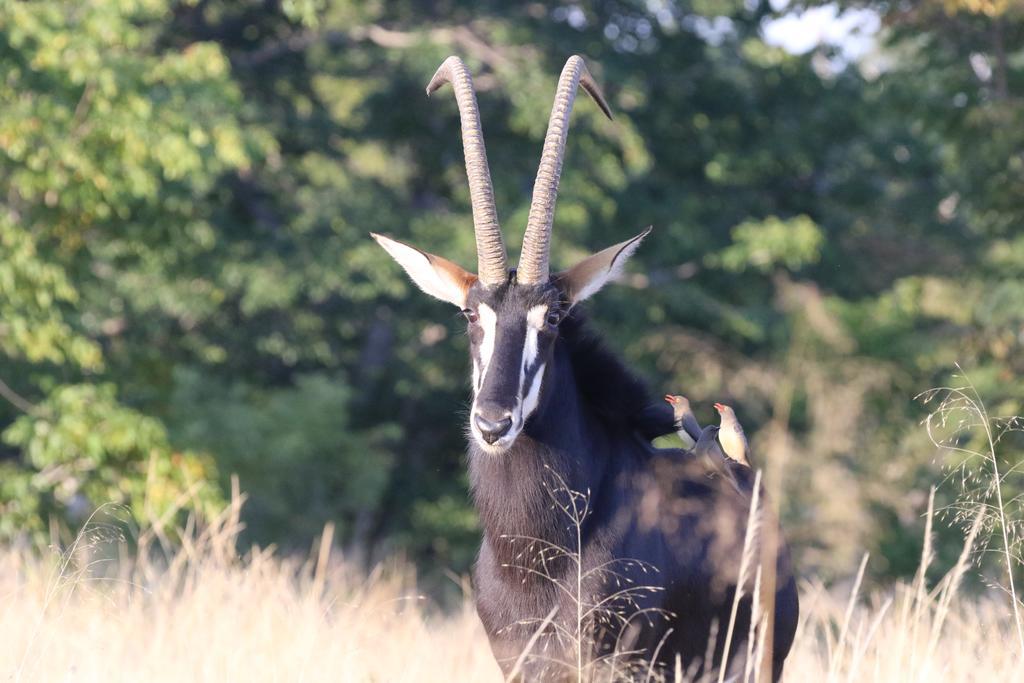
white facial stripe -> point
(535, 317)
(489, 323)
(533, 397)
(530, 395)
(529, 356)
(529, 352)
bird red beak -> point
(669, 398)
(719, 407)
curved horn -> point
(490, 249)
(533, 262)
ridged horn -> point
(533, 262)
(490, 248)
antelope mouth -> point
(499, 447)
(491, 445)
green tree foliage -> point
(295, 449)
(770, 243)
(82, 446)
(110, 150)
(189, 187)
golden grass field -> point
(211, 615)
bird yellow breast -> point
(734, 445)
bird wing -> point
(691, 426)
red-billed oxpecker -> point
(684, 421)
(731, 436)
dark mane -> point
(612, 390)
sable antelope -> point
(549, 402)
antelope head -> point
(512, 314)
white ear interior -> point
(588, 276)
(436, 276)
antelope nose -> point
(492, 430)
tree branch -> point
(16, 399)
(383, 37)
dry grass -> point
(204, 613)
(210, 615)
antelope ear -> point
(436, 276)
(589, 275)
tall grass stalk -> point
(749, 546)
(208, 613)
(952, 427)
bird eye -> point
(471, 315)
(554, 318)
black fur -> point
(660, 507)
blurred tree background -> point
(187, 289)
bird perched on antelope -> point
(731, 436)
(685, 423)
(709, 450)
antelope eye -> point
(471, 315)
(554, 318)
